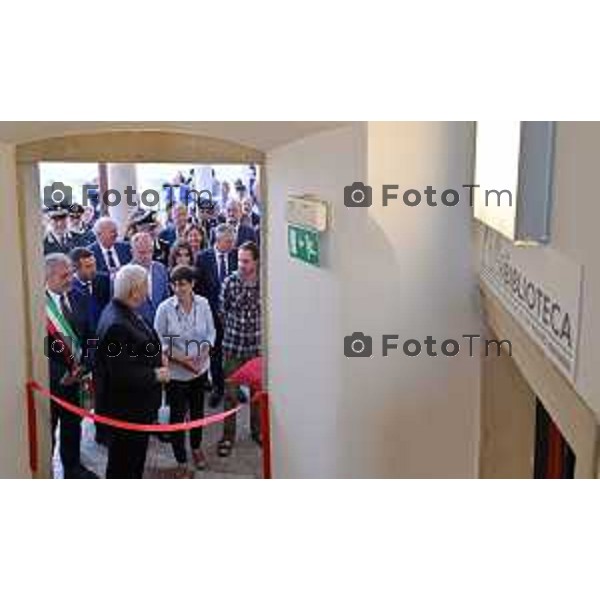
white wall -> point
(396, 270)
(305, 321)
(13, 432)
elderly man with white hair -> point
(110, 254)
(130, 371)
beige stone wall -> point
(507, 420)
(13, 432)
(512, 384)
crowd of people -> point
(170, 309)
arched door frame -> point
(108, 147)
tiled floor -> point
(244, 462)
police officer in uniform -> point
(77, 227)
(58, 238)
(207, 217)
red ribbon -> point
(261, 396)
(86, 414)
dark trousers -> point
(231, 400)
(126, 454)
(230, 423)
(216, 359)
(184, 397)
(70, 428)
(102, 431)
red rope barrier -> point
(127, 425)
(32, 428)
(261, 397)
(265, 428)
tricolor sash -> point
(65, 338)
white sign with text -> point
(542, 290)
(307, 211)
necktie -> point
(222, 268)
(93, 310)
(66, 309)
(150, 283)
(112, 265)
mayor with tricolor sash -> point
(68, 328)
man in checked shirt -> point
(240, 312)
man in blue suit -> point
(94, 289)
(90, 283)
(110, 254)
(212, 267)
(142, 246)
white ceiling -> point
(261, 135)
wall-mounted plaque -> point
(307, 211)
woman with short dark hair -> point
(185, 326)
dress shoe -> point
(80, 472)
(215, 399)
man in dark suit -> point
(110, 254)
(249, 216)
(233, 217)
(95, 289)
(175, 230)
(68, 331)
(212, 267)
(131, 370)
(58, 238)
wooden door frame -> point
(109, 147)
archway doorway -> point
(135, 147)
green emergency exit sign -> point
(303, 244)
